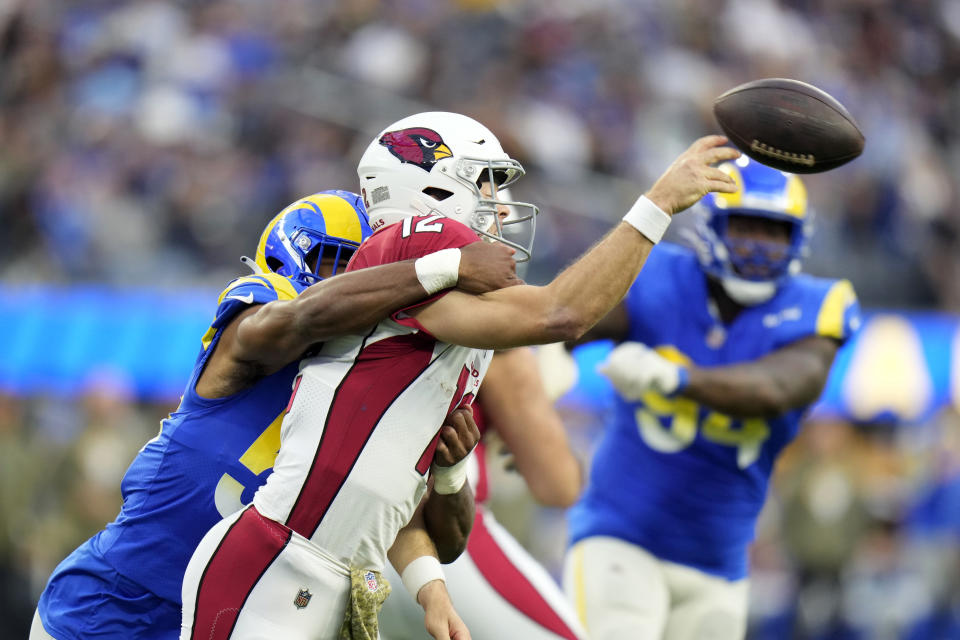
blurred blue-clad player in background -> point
(218, 447)
(721, 351)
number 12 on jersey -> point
(428, 224)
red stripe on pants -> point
(245, 553)
(500, 572)
(482, 491)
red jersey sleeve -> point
(413, 238)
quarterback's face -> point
(502, 210)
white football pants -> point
(37, 632)
(253, 579)
(621, 591)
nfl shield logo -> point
(302, 599)
(371, 581)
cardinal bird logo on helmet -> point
(417, 145)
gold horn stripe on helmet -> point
(339, 216)
(792, 203)
(796, 198)
(261, 257)
(735, 199)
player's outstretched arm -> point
(789, 378)
(584, 292)
(279, 332)
(414, 557)
(449, 508)
(515, 402)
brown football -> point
(789, 125)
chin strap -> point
(747, 292)
(253, 266)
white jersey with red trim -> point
(365, 416)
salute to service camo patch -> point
(368, 590)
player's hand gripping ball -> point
(789, 125)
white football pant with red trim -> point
(284, 586)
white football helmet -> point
(435, 162)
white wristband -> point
(419, 572)
(447, 480)
(438, 271)
(648, 219)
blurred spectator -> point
(23, 469)
(151, 139)
(61, 461)
(825, 516)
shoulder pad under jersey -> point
(245, 291)
(412, 238)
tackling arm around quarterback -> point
(265, 338)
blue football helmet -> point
(329, 224)
(751, 270)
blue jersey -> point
(681, 480)
(207, 461)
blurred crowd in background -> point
(146, 143)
